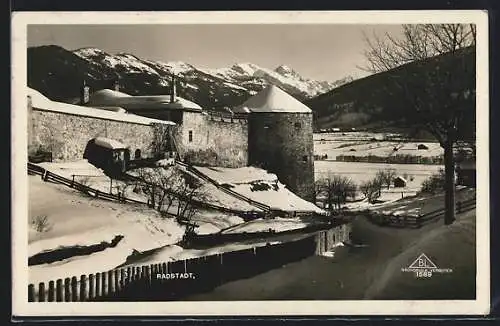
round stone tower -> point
(280, 139)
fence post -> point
(67, 293)
(91, 287)
(117, 281)
(41, 292)
(104, 288)
(123, 278)
(97, 285)
(72, 180)
(74, 289)
(148, 274)
(51, 291)
(31, 293)
(164, 268)
(83, 288)
(137, 273)
(110, 283)
(59, 290)
(129, 275)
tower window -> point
(190, 135)
(304, 158)
(297, 125)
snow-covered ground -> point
(421, 204)
(209, 192)
(76, 220)
(376, 148)
(242, 180)
(369, 143)
(360, 172)
(263, 225)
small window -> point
(297, 125)
(190, 135)
(304, 158)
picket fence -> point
(200, 274)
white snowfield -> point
(263, 225)
(40, 102)
(334, 148)
(241, 180)
(76, 220)
(422, 204)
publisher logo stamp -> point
(423, 267)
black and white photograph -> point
(258, 163)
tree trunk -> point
(449, 184)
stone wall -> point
(67, 135)
(214, 141)
(282, 143)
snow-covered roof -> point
(40, 102)
(274, 99)
(109, 143)
(107, 97)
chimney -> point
(85, 93)
(173, 91)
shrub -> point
(433, 184)
(40, 223)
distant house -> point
(466, 173)
(422, 146)
(399, 182)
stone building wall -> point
(66, 135)
(213, 141)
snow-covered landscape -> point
(260, 159)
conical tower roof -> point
(274, 99)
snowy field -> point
(365, 143)
(360, 172)
(77, 220)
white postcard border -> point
(20, 305)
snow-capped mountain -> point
(51, 66)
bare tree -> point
(372, 189)
(336, 189)
(172, 192)
(386, 176)
(436, 91)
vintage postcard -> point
(250, 163)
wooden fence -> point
(420, 220)
(246, 215)
(263, 207)
(200, 274)
(49, 176)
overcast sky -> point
(323, 52)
